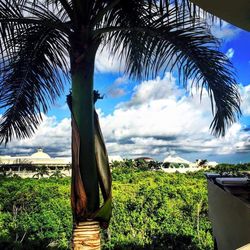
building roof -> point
(175, 159)
(234, 12)
(39, 157)
(40, 154)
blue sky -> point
(156, 117)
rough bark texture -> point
(86, 236)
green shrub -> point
(232, 169)
(151, 210)
(36, 213)
(155, 209)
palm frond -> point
(20, 12)
(185, 7)
(163, 42)
(34, 68)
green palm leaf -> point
(33, 75)
(149, 46)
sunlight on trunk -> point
(86, 236)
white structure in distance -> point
(176, 159)
(175, 163)
(115, 158)
(38, 158)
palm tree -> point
(201, 163)
(57, 174)
(41, 172)
(38, 36)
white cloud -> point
(116, 92)
(230, 53)
(107, 63)
(225, 31)
(245, 97)
(156, 89)
(117, 88)
(158, 119)
(52, 135)
(121, 80)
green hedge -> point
(34, 213)
(151, 210)
(233, 169)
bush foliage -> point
(151, 210)
(232, 169)
(34, 213)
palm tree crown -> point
(37, 36)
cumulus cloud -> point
(156, 89)
(158, 119)
(52, 135)
(117, 88)
(225, 31)
(107, 63)
(116, 92)
(245, 97)
(230, 53)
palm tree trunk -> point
(85, 187)
(86, 236)
(83, 111)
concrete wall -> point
(230, 217)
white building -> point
(175, 163)
(176, 159)
(30, 165)
(38, 158)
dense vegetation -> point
(151, 210)
(238, 169)
(34, 213)
(155, 210)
